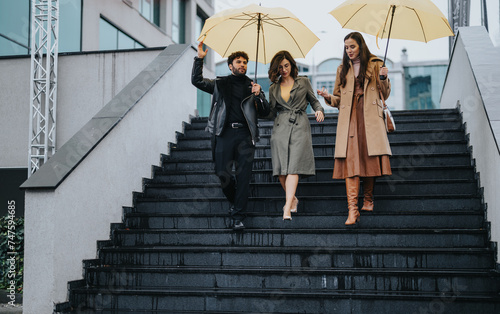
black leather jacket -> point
(252, 106)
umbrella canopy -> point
(418, 20)
(260, 32)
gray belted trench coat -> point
(291, 141)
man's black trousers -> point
(234, 148)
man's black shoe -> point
(238, 225)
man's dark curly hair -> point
(236, 55)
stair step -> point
(284, 300)
(322, 256)
(403, 219)
(375, 279)
(449, 122)
(344, 237)
(322, 174)
(417, 158)
(325, 135)
(399, 148)
(332, 187)
(206, 203)
(400, 116)
(432, 128)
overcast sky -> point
(314, 14)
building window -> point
(150, 9)
(199, 22)
(420, 93)
(201, 17)
(203, 99)
(329, 66)
(178, 21)
(424, 85)
(14, 27)
(70, 26)
(112, 38)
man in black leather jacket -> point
(236, 103)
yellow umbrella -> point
(419, 20)
(259, 31)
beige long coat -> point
(376, 134)
(291, 141)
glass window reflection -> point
(14, 27)
(150, 9)
(178, 21)
(112, 38)
(108, 36)
(424, 85)
(124, 41)
(70, 26)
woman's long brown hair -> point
(364, 56)
(274, 72)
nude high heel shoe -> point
(286, 217)
(296, 201)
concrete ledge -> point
(71, 154)
(472, 84)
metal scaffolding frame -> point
(43, 85)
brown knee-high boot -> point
(352, 189)
(368, 184)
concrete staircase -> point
(425, 248)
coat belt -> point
(293, 113)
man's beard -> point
(236, 72)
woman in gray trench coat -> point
(291, 142)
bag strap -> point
(382, 98)
(380, 90)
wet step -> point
(365, 279)
(414, 159)
(332, 187)
(324, 135)
(321, 150)
(373, 220)
(399, 115)
(330, 124)
(322, 174)
(325, 256)
(343, 237)
(205, 203)
(281, 300)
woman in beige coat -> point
(291, 141)
(361, 147)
